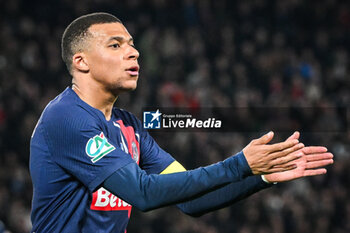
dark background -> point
(220, 53)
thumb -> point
(295, 135)
(265, 138)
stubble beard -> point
(119, 88)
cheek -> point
(111, 63)
(105, 63)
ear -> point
(80, 63)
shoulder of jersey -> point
(65, 107)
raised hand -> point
(310, 164)
(263, 158)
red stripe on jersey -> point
(133, 144)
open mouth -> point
(133, 71)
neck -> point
(96, 97)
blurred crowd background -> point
(194, 53)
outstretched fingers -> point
(295, 135)
(282, 145)
(314, 149)
(282, 168)
(264, 139)
(286, 155)
(315, 172)
(317, 164)
(319, 156)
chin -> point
(134, 85)
(121, 89)
(131, 87)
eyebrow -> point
(119, 39)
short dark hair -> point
(74, 35)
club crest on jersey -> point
(135, 152)
(97, 147)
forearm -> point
(148, 192)
(223, 197)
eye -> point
(115, 46)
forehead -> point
(107, 30)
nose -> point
(132, 53)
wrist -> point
(238, 166)
(266, 180)
(243, 165)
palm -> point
(314, 157)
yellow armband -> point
(173, 168)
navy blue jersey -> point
(73, 150)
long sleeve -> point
(224, 196)
(147, 192)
